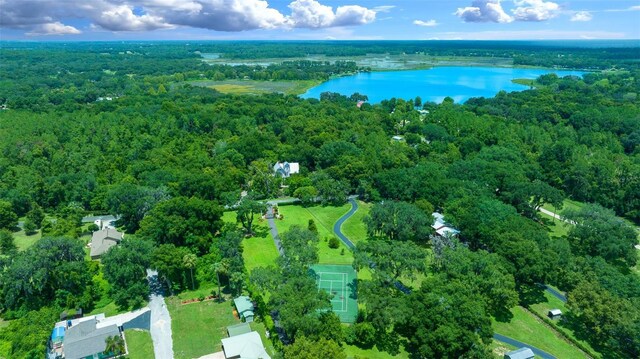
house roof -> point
(243, 304)
(441, 227)
(522, 353)
(104, 239)
(245, 346)
(555, 312)
(238, 329)
(85, 339)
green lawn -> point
(354, 227)
(568, 204)
(199, 327)
(256, 87)
(373, 353)
(526, 328)
(552, 302)
(139, 344)
(23, 241)
(259, 250)
(557, 228)
(324, 218)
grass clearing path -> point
(527, 328)
(324, 217)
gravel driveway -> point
(160, 319)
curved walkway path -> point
(518, 344)
(337, 227)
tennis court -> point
(340, 282)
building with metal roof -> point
(522, 353)
(244, 346)
(102, 240)
(245, 308)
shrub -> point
(334, 243)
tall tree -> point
(389, 261)
(8, 218)
(598, 232)
(189, 261)
(183, 221)
(304, 348)
(125, 268)
(399, 221)
(246, 211)
(447, 321)
(300, 247)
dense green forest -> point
(168, 157)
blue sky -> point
(69, 20)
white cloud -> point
(54, 28)
(312, 14)
(353, 15)
(484, 11)
(224, 15)
(429, 23)
(122, 18)
(581, 16)
(146, 15)
(383, 8)
(535, 10)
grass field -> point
(324, 217)
(353, 351)
(23, 241)
(139, 344)
(259, 250)
(552, 302)
(354, 227)
(254, 87)
(199, 327)
(526, 328)
(557, 228)
(568, 204)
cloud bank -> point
(44, 17)
(492, 11)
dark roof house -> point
(104, 239)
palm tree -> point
(114, 345)
(189, 261)
(219, 267)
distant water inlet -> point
(459, 83)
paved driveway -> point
(160, 319)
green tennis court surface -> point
(340, 282)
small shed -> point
(554, 314)
(522, 353)
(238, 329)
(245, 308)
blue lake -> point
(459, 83)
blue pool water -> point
(459, 83)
